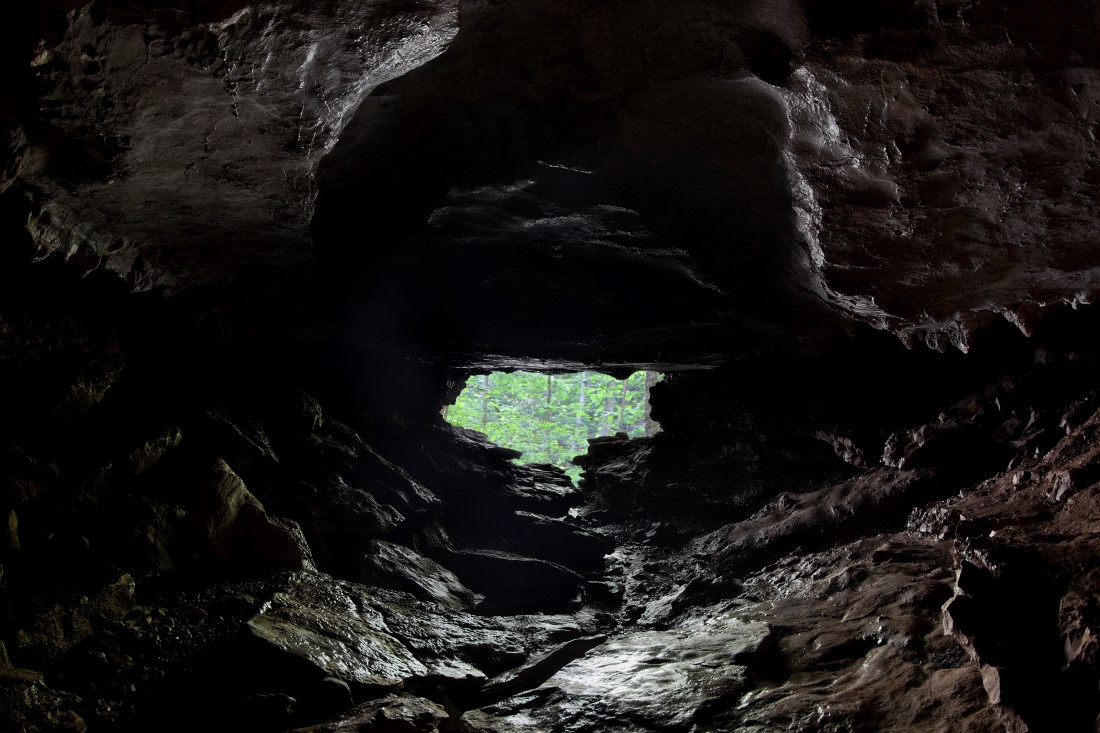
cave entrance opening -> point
(550, 417)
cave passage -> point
(551, 417)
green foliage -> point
(551, 417)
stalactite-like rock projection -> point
(251, 252)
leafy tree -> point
(550, 417)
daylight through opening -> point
(550, 417)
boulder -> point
(394, 566)
(339, 519)
(514, 583)
(392, 714)
(230, 530)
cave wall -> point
(251, 249)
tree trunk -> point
(651, 425)
(484, 400)
(622, 404)
(581, 417)
(547, 438)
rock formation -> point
(251, 249)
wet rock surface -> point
(410, 714)
(657, 679)
(400, 568)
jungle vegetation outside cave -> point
(550, 417)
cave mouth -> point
(550, 418)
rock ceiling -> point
(924, 167)
(178, 146)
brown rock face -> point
(158, 132)
(953, 162)
(249, 250)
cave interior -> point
(251, 250)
